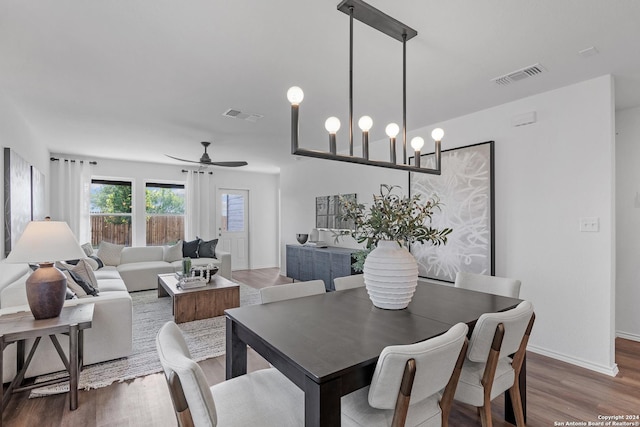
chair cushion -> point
(356, 411)
(262, 398)
(470, 389)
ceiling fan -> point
(206, 160)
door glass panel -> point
(232, 212)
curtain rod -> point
(185, 171)
(55, 159)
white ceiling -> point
(137, 79)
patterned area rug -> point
(206, 339)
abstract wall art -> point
(466, 191)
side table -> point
(18, 327)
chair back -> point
(488, 284)
(348, 282)
(435, 360)
(515, 322)
(187, 383)
(292, 290)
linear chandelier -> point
(367, 14)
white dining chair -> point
(260, 398)
(348, 282)
(292, 290)
(411, 383)
(488, 284)
(489, 369)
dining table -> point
(328, 344)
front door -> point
(233, 225)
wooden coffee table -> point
(199, 303)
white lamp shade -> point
(46, 241)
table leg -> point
(236, 355)
(322, 403)
(73, 367)
(509, 415)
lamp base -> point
(46, 291)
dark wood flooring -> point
(557, 392)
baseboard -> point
(612, 371)
(628, 336)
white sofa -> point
(110, 336)
(139, 266)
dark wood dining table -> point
(328, 344)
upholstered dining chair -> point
(407, 384)
(292, 290)
(348, 282)
(489, 369)
(488, 284)
(260, 398)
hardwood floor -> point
(557, 392)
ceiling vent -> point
(516, 76)
(237, 114)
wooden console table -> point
(199, 303)
(18, 327)
(311, 263)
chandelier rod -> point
(351, 80)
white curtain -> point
(74, 196)
(200, 214)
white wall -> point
(628, 223)
(263, 200)
(16, 134)
(548, 175)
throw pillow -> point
(70, 294)
(82, 269)
(190, 249)
(109, 253)
(207, 249)
(172, 253)
(95, 262)
(87, 248)
(73, 286)
(85, 285)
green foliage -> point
(164, 201)
(392, 217)
(112, 199)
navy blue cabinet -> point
(310, 263)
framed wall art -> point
(17, 197)
(466, 190)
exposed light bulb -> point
(417, 143)
(332, 124)
(392, 130)
(295, 95)
(437, 134)
(365, 123)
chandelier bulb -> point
(365, 123)
(417, 143)
(437, 134)
(295, 95)
(332, 125)
(392, 130)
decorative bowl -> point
(302, 238)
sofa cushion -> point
(141, 254)
(172, 253)
(139, 276)
(112, 285)
(190, 249)
(207, 249)
(109, 272)
(110, 253)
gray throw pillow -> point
(207, 249)
(110, 253)
(190, 249)
(172, 253)
(87, 248)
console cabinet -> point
(310, 263)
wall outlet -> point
(590, 224)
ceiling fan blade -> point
(184, 160)
(229, 164)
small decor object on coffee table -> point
(44, 242)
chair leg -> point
(485, 414)
(517, 404)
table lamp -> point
(44, 242)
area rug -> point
(206, 339)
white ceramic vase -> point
(390, 275)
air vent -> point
(516, 76)
(237, 114)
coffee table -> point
(199, 303)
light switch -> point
(590, 224)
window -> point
(110, 212)
(165, 213)
(232, 212)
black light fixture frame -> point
(367, 14)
